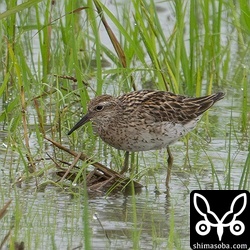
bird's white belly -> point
(151, 137)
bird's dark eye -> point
(99, 107)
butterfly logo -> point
(203, 227)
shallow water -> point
(54, 218)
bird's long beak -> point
(84, 120)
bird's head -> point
(100, 110)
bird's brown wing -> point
(160, 106)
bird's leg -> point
(170, 164)
(125, 164)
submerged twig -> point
(84, 157)
(105, 232)
(71, 166)
(98, 179)
(4, 209)
(2, 213)
(5, 238)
